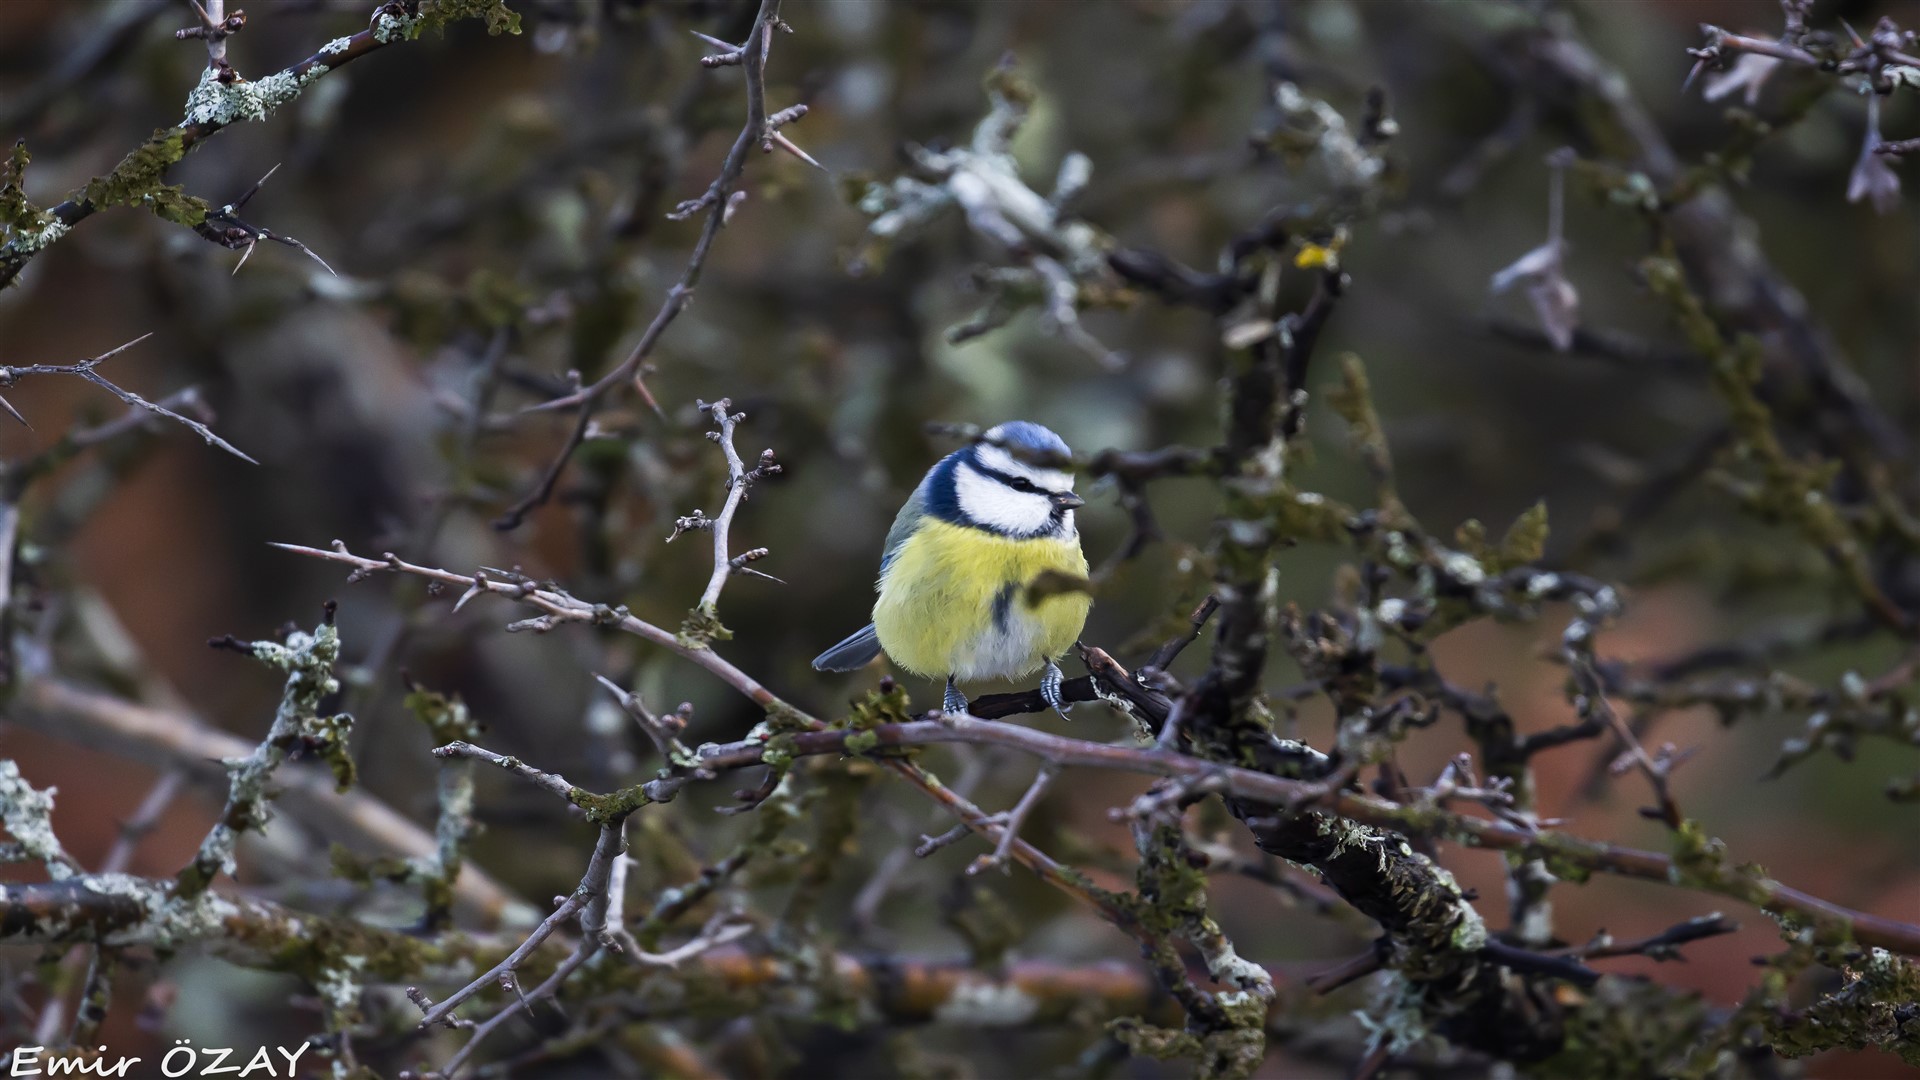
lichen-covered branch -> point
(298, 725)
(251, 932)
(222, 98)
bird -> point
(988, 521)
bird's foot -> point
(954, 703)
(1051, 681)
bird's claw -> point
(954, 703)
(1051, 681)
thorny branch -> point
(718, 202)
(221, 100)
(1270, 790)
(85, 370)
(739, 479)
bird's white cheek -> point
(993, 504)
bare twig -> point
(663, 731)
(545, 780)
(216, 26)
(85, 370)
(1664, 945)
(739, 479)
(599, 870)
(1010, 826)
(716, 201)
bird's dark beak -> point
(1067, 500)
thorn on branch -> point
(231, 644)
(738, 564)
(1663, 946)
(776, 121)
(730, 55)
(85, 370)
(750, 799)
(787, 144)
(696, 520)
(930, 844)
(224, 227)
(1010, 825)
(211, 30)
(425, 1005)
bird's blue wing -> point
(857, 651)
(905, 523)
(860, 647)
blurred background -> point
(494, 207)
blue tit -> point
(954, 602)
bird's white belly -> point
(1007, 648)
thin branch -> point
(263, 935)
(1010, 825)
(739, 478)
(559, 606)
(604, 850)
(1261, 787)
(545, 780)
(85, 370)
(1664, 945)
(184, 742)
(716, 201)
(206, 115)
(1475, 832)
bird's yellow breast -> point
(953, 602)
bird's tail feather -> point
(857, 651)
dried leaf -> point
(1748, 75)
(1873, 175)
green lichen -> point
(363, 870)
(1700, 861)
(393, 23)
(390, 24)
(1353, 400)
(27, 814)
(1171, 903)
(1399, 1018)
(835, 811)
(887, 705)
(1877, 1006)
(779, 747)
(298, 726)
(701, 629)
(25, 222)
(446, 717)
(214, 103)
(1627, 1029)
(1789, 490)
(1228, 1054)
(1159, 1043)
(137, 180)
(610, 808)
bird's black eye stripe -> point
(1017, 483)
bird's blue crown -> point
(1024, 435)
